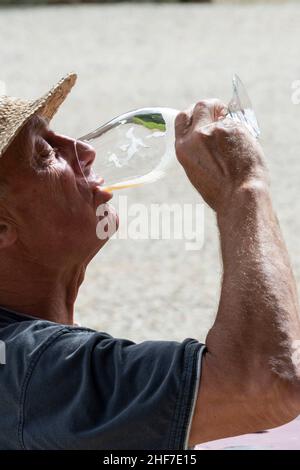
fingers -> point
(208, 111)
(203, 113)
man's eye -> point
(45, 151)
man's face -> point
(50, 204)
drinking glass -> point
(138, 147)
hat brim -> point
(18, 112)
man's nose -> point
(86, 155)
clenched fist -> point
(219, 156)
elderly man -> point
(67, 387)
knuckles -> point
(227, 130)
(226, 135)
(214, 132)
(213, 103)
(200, 105)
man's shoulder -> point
(28, 336)
(70, 387)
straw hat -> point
(15, 112)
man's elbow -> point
(279, 391)
(245, 391)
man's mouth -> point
(100, 195)
(103, 209)
(92, 189)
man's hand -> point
(249, 378)
(218, 156)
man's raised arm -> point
(250, 379)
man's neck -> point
(40, 293)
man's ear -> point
(8, 234)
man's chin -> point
(107, 223)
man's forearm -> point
(258, 316)
(249, 381)
(249, 376)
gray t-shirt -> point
(68, 387)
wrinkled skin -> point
(250, 379)
(48, 221)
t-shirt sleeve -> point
(88, 390)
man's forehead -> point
(37, 124)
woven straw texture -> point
(15, 112)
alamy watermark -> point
(138, 221)
(2, 353)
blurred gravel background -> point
(130, 56)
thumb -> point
(182, 122)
